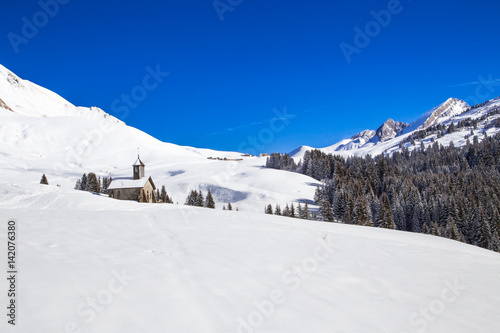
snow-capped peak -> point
(452, 107)
(390, 129)
(366, 135)
(30, 99)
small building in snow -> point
(138, 188)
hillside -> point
(102, 265)
(40, 132)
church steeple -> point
(138, 167)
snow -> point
(118, 183)
(89, 263)
(188, 269)
(439, 114)
(138, 162)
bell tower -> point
(138, 167)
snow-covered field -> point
(94, 264)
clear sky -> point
(232, 64)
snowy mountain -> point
(390, 129)
(452, 107)
(41, 132)
(392, 135)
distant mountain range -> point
(392, 135)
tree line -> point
(92, 183)
(196, 198)
(290, 211)
(446, 191)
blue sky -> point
(270, 76)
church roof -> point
(138, 162)
(120, 183)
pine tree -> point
(453, 232)
(169, 199)
(209, 201)
(339, 204)
(163, 194)
(93, 183)
(318, 194)
(435, 229)
(199, 199)
(306, 214)
(44, 180)
(78, 185)
(192, 199)
(363, 213)
(269, 209)
(105, 184)
(229, 207)
(325, 212)
(277, 210)
(286, 211)
(385, 217)
(84, 183)
(484, 231)
(292, 211)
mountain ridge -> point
(392, 135)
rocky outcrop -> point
(390, 129)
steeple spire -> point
(138, 168)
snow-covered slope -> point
(393, 134)
(26, 98)
(40, 132)
(96, 264)
(452, 107)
